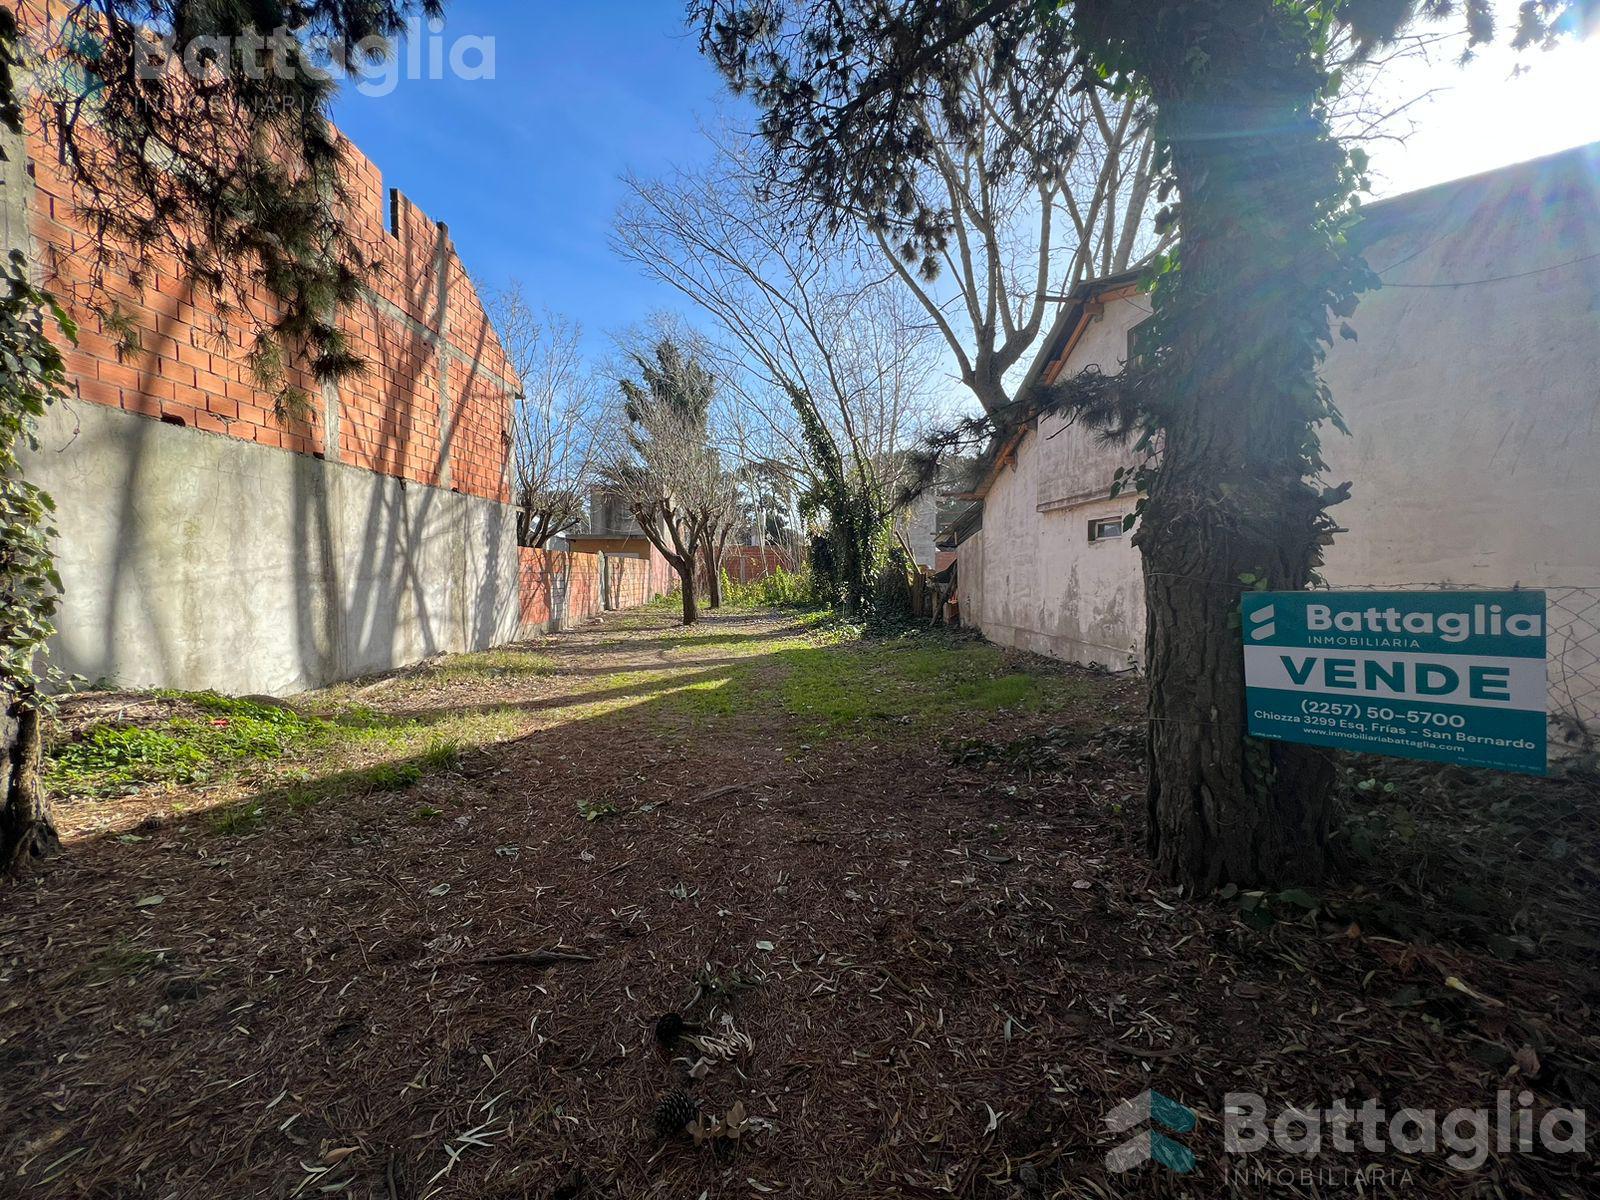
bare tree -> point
(1009, 206)
(724, 512)
(830, 369)
(553, 438)
(664, 468)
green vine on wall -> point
(32, 377)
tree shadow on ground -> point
(945, 964)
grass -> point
(213, 733)
(501, 663)
(215, 739)
(831, 677)
(120, 960)
(919, 680)
(262, 760)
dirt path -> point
(897, 887)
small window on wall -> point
(1103, 529)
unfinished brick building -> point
(207, 542)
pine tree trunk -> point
(1230, 502)
(1223, 807)
(691, 611)
(26, 830)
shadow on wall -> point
(215, 563)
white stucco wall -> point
(1474, 406)
(1043, 586)
(970, 581)
(193, 560)
(1474, 411)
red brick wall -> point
(631, 583)
(744, 563)
(560, 588)
(423, 330)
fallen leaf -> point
(1465, 990)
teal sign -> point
(1448, 676)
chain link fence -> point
(1572, 622)
(1572, 664)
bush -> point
(781, 589)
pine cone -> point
(675, 1112)
(671, 1026)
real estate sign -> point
(1450, 676)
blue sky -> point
(524, 167)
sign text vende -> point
(1448, 676)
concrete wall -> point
(1472, 394)
(194, 560)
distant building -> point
(614, 534)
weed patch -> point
(918, 679)
(391, 777)
(112, 760)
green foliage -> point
(392, 777)
(780, 589)
(32, 377)
(441, 755)
(10, 63)
(115, 759)
(596, 810)
(848, 558)
(238, 820)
